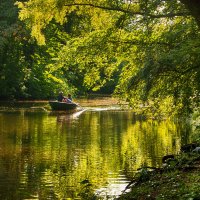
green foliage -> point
(165, 67)
(44, 81)
(148, 50)
(178, 180)
(24, 70)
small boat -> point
(56, 105)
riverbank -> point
(83, 101)
(179, 179)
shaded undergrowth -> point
(179, 178)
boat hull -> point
(62, 106)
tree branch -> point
(129, 11)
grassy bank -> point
(179, 179)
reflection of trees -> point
(144, 143)
(51, 158)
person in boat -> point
(61, 97)
(68, 99)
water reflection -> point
(50, 156)
(116, 185)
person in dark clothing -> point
(69, 97)
(60, 97)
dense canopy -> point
(145, 51)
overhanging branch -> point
(130, 12)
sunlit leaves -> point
(102, 14)
(152, 47)
(38, 14)
(89, 55)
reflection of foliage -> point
(70, 159)
(153, 139)
(87, 190)
(195, 120)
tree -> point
(153, 45)
(194, 7)
(24, 71)
(11, 60)
(37, 17)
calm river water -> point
(45, 155)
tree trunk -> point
(194, 8)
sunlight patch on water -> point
(115, 187)
(107, 108)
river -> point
(49, 155)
